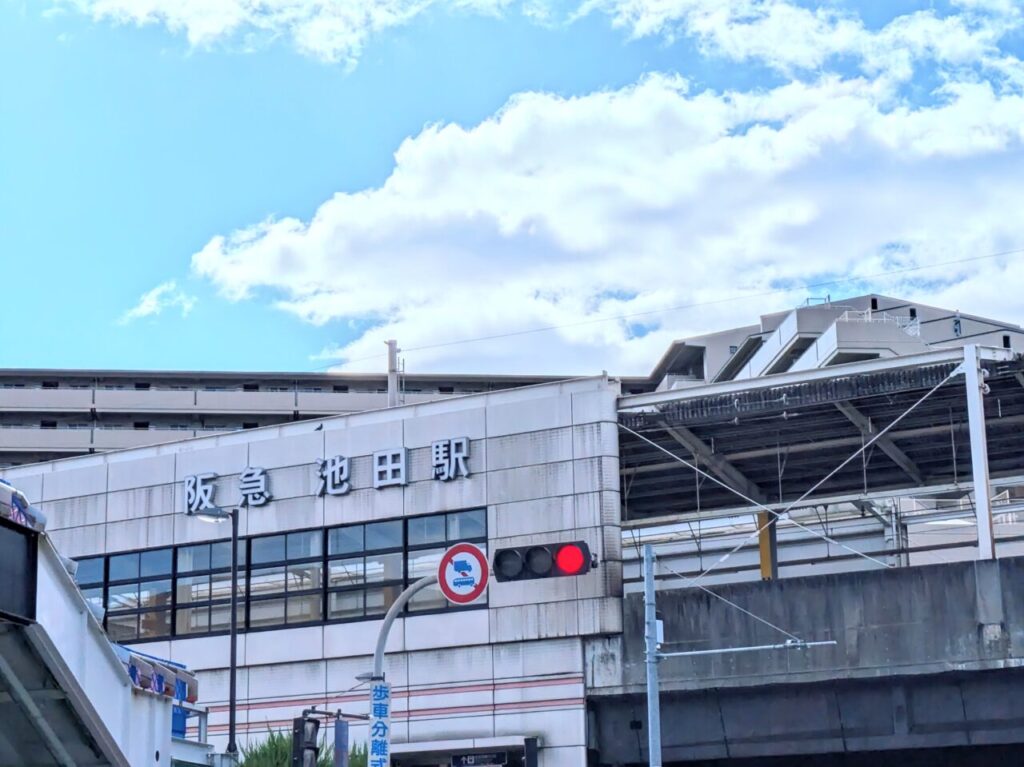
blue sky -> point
(469, 171)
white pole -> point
(651, 658)
(976, 388)
(392, 373)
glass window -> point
(155, 594)
(378, 600)
(220, 585)
(305, 608)
(155, 623)
(89, 570)
(429, 598)
(220, 554)
(467, 525)
(155, 563)
(192, 588)
(346, 572)
(270, 549)
(426, 530)
(305, 576)
(266, 612)
(123, 628)
(124, 596)
(423, 563)
(384, 567)
(192, 558)
(220, 617)
(94, 596)
(344, 605)
(305, 545)
(265, 580)
(124, 567)
(384, 535)
(345, 540)
(192, 620)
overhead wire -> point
(780, 514)
(678, 307)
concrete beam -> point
(886, 445)
(715, 463)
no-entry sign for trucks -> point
(462, 573)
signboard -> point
(462, 573)
(494, 759)
(380, 725)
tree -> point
(276, 751)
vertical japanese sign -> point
(380, 725)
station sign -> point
(462, 573)
(493, 759)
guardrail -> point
(909, 325)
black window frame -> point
(215, 567)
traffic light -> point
(544, 560)
(304, 741)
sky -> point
(510, 187)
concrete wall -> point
(928, 656)
(544, 463)
(927, 619)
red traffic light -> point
(569, 559)
(544, 560)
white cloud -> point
(790, 37)
(560, 212)
(331, 30)
(163, 296)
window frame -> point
(322, 558)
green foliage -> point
(357, 757)
(276, 751)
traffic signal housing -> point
(305, 750)
(542, 560)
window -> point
(141, 386)
(874, 304)
(47, 424)
(141, 424)
(249, 424)
(51, 384)
(446, 389)
(138, 595)
(365, 569)
(286, 579)
(202, 589)
(347, 573)
(1006, 342)
(428, 539)
(250, 387)
(340, 388)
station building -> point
(339, 513)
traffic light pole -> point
(389, 618)
(651, 657)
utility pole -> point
(651, 658)
(392, 373)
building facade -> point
(338, 515)
(852, 424)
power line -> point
(680, 307)
(775, 515)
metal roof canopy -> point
(774, 437)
